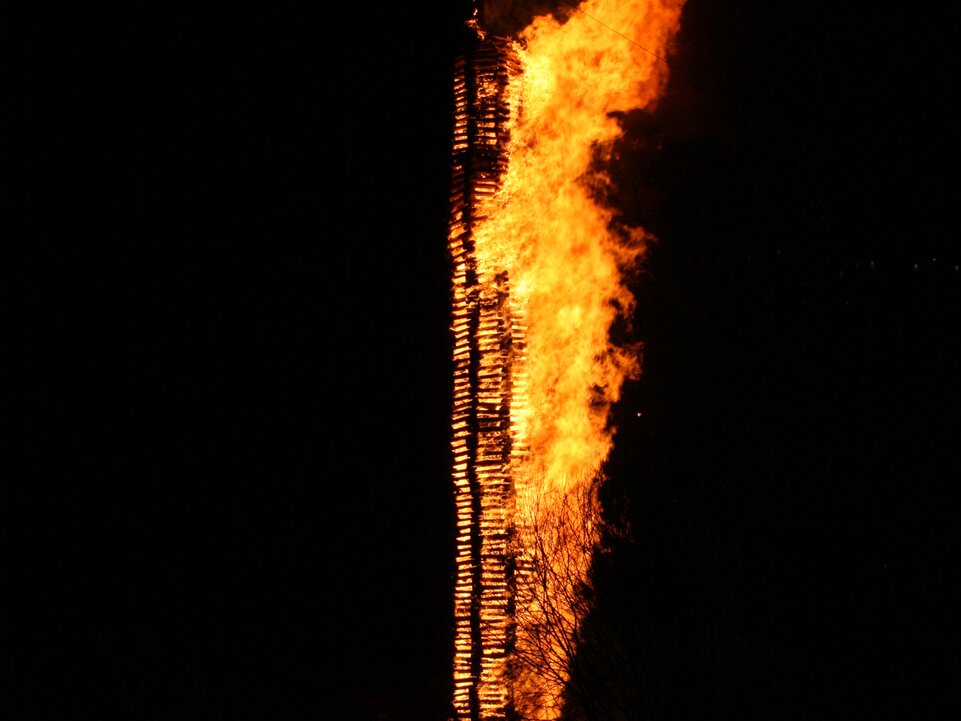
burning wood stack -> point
(488, 355)
(538, 283)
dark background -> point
(227, 491)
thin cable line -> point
(649, 52)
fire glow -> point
(538, 281)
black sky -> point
(228, 494)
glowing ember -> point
(537, 285)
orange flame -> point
(554, 240)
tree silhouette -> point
(580, 651)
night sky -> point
(226, 490)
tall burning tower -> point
(488, 361)
(537, 282)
